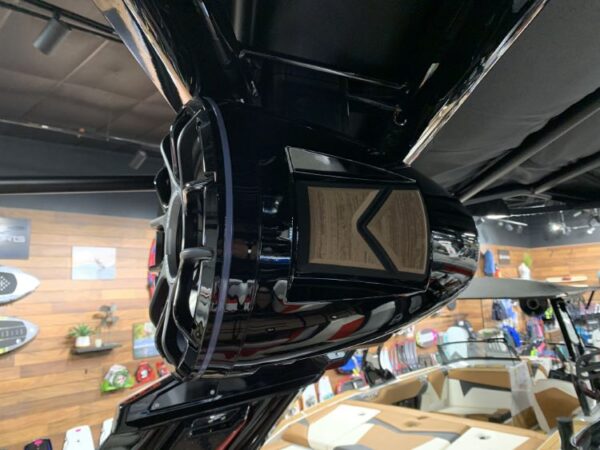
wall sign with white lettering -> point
(15, 236)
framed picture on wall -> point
(94, 263)
(143, 340)
(503, 257)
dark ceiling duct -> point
(555, 129)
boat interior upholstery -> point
(487, 393)
(482, 406)
(364, 425)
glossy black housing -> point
(280, 306)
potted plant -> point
(81, 333)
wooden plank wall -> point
(567, 260)
(44, 390)
(583, 259)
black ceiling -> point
(88, 84)
(93, 86)
(552, 66)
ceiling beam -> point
(582, 166)
(75, 185)
(574, 170)
(555, 129)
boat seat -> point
(479, 413)
(481, 393)
(401, 393)
(356, 424)
(372, 426)
(552, 399)
(486, 439)
(280, 444)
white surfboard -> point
(15, 333)
(15, 284)
(567, 279)
(79, 438)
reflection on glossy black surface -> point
(286, 298)
(232, 413)
(386, 73)
(358, 80)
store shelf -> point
(91, 349)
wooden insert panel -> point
(399, 226)
(334, 236)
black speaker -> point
(275, 247)
(534, 307)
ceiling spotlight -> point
(509, 227)
(500, 224)
(52, 35)
(555, 227)
(594, 221)
(520, 229)
(138, 159)
(590, 230)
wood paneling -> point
(334, 236)
(400, 227)
(567, 260)
(44, 390)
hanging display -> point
(15, 333)
(15, 284)
(144, 373)
(426, 338)
(117, 377)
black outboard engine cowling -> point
(273, 248)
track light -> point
(138, 159)
(509, 227)
(555, 227)
(590, 230)
(52, 35)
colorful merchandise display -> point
(117, 377)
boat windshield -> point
(496, 349)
